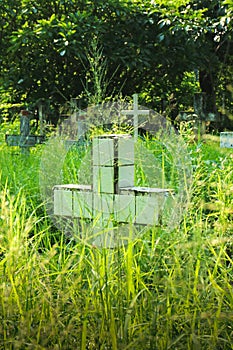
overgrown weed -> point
(167, 289)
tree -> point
(149, 47)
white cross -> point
(136, 112)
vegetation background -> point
(167, 289)
(164, 50)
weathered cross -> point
(135, 112)
(25, 140)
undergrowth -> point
(167, 289)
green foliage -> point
(147, 46)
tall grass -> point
(167, 289)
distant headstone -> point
(25, 140)
(200, 116)
(226, 139)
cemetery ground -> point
(167, 289)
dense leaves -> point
(149, 47)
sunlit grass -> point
(166, 289)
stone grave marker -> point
(112, 202)
(226, 139)
(25, 140)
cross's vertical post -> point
(135, 112)
(40, 111)
(24, 123)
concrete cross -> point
(112, 201)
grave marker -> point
(76, 125)
(25, 140)
(135, 112)
(226, 139)
(111, 201)
(200, 116)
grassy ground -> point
(168, 289)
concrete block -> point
(124, 208)
(103, 179)
(125, 151)
(103, 205)
(147, 210)
(82, 204)
(126, 176)
(63, 205)
(103, 151)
